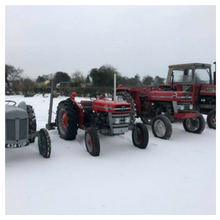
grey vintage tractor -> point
(20, 128)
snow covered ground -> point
(176, 176)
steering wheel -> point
(8, 101)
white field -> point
(176, 176)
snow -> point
(176, 176)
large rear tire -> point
(161, 127)
(194, 125)
(92, 141)
(44, 143)
(127, 97)
(211, 119)
(140, 136)
(66, 120)
(32, 122)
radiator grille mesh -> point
(10, 124)
(23, 129)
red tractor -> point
(188, 91)
(196, 78)
(96, 116)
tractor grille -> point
(119, 108)
(10, 129)
(186, 107)
(121, 126)
(23, 129)
(21, 125)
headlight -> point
(117, 120)
(190, 106)
(181, 107)
(127, 120)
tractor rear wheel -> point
(128, 98)
(32, 122)
(194, 125)
(66, 120)
(211, 119)
(140, 136)
(44, 143)
(161, 127)
(92, 141)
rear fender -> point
(135, 96)
(134, 92)
(79, 111)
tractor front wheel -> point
(161, 127)
(140, 136)
(44, 143)
(194, 125)
(211, 119)
(92, 142)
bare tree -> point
(78, 78)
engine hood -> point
(12, 112)
(111, 106)
(170, 95)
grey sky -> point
(134, 39)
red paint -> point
(90, 142)
(64, 121)
(185, 115)
(139, 135)
(105, 105)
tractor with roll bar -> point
(95, 116)
(188, 93)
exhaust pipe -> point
(115, 87)
(214, 74)
(49, 125)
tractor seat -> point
(87, 105)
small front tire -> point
(161, 127)
(44, 143)
(194, 125)
(92, 142)
(140, 136)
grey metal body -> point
(16, 124)
(188, 65)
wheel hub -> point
(137, 135)
(159, 128)
(89, 142)
(64, 121)
(192, 124)
(213, 120)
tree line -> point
(97, 77)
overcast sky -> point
(134, 39)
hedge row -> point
(86, 92)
